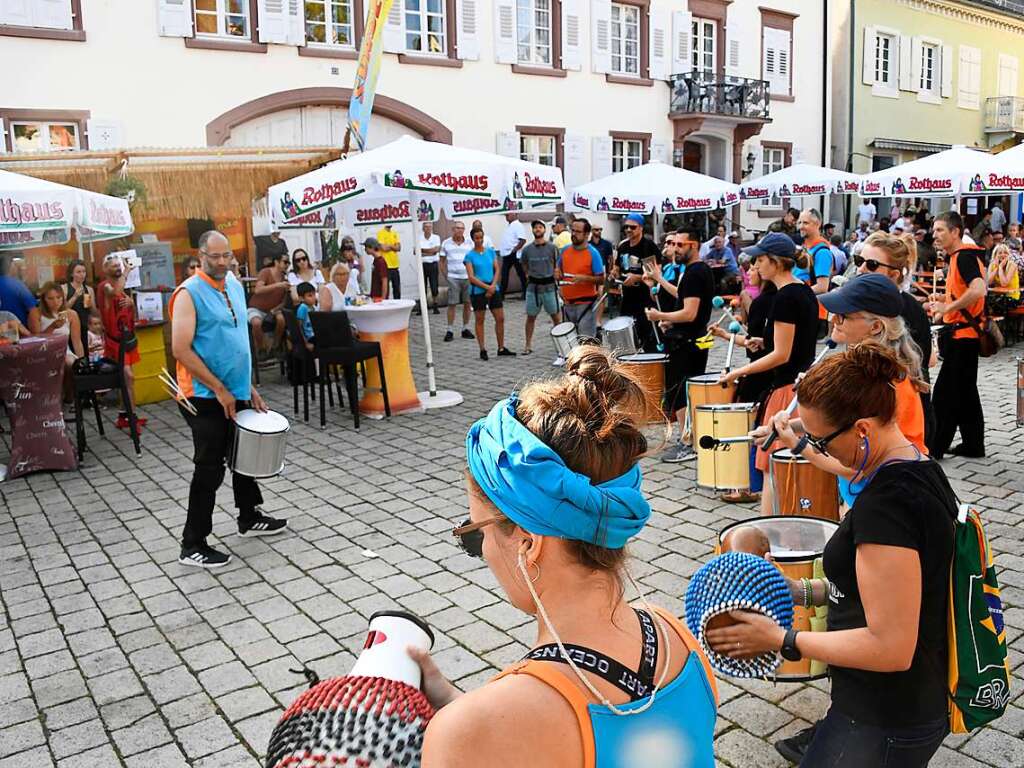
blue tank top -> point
(677, 730)
(222, 336)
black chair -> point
(335, 345)
(85, 387)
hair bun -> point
(876, 361)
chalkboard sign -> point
(157, 270)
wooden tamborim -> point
(797, 544)
(801, 488)
(723, 448)
(648, 368)
(259, 443)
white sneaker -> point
(559, 362)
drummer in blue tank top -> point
(210, 341)
(554, 495)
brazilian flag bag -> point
(979, 678)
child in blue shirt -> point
(307, 299)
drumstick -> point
(707, 441)
(178, 395)
(767, 444)
(728, 355)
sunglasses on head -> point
(471, 536)
(872, 264)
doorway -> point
(693, 156)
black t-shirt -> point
(752, 388)
(795, 304)
(636, 297)
(966, 262)
(910, 505)
(698, 281)
(916, 320)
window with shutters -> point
(538, 149)
(331, 23)
(626, 154)
(625, 39)
(426, 27)
(885, 59)
(223, 18)
(54, 19)
(703, 38)
(929, 80)
(534, 32)
(774, 158)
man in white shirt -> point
(430, 250)
(998, 222)
(866, 212)
(452, 255)
(512, 241)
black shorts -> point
(480, 301)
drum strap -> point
(636, 685)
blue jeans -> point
(840, 742)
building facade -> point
(725, 87)
(912, 77)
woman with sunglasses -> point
(886, 577)
(303, 271)
(554, 495)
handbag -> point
(990, 336)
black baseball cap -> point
(864, 293)
(772, 244)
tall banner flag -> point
(361, 105)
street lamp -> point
(749, 169)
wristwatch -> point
(789, 650)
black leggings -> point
(507, 263)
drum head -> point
(728, 407)
(617, 324)
(644, 358)
(784, 454)
(792, 537)
(270, 422)
(705, 378)
(563, 329)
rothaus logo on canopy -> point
(30, 215)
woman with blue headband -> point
(554, 496)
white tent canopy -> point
(954, 171)
(35, 212)
(655, 188)
(800, 180)
(1002, 172)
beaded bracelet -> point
(808, 592)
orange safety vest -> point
(956, 287)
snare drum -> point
(617, 335)
(649, 369)
(796, 543)
(801, 488)
(725, 466)
(705, 390)
(565, 338)
(258, 448)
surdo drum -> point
(617, 335)
(705, 390)
(648, 368)
(258, 448)
(724, 466)
(565, 338)
(801, 488)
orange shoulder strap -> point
(547, 673)
(691, 644)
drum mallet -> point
(719, 303)
(708, 442)
(734, 328)
(767, 444)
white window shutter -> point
(906, 63)
(976, 77)
(3, 137)
(105, 134)
(600, 157)
(297, 22)
(272, 21)
(776, 60)
(394, 28)
(467, 41)
(735, 36)
(870, 41)
(508, 144)
(574, 154)
(175, 18)
(16, 13)
(572, 35)
(969, 81)
(1007, 82)
(505, 31)
(947, 71)
(659, 152)
(916, 61)
(601, 35)
(682, 28)
(52, 14)
(659, 31)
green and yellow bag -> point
(979, 677)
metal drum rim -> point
(783, 558)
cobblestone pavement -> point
(111, 653)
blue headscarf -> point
(533, 487)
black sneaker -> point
(678, 453)
(261, 525)
(506, 352)
(959, 450)
(203, 556)
(449, 336)
(436, 311)
(467, 334)
(483, 354)
(795, 747)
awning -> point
(908, 146)
(179, 183)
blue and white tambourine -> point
(738, 581)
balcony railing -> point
(711, 94)
(1004, 114)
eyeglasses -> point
(629, 227)
(820, 444)
(471, 538)
(872, 264)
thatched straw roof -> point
(179, 183)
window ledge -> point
(213, 44)
(627, 80)
(928, 97)
(886, 92)
(527, 69)
(781, 97)
(42, 33)
(326, 52)
(429, 61)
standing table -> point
(31, 374)
(387, 322)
